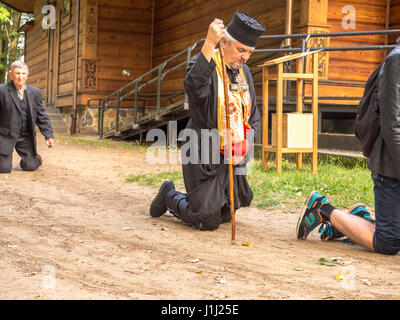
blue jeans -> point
(386, 238)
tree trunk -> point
(14, 38)
(4, 53)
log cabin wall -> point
(123, 54)
(180, 23)
(124, 41)
(348, 70)
(394, 19)
(51, 64)
(114, 35)
(35, 47)
(66, 54)
(368, 15)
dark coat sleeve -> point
(42, 120)
(198, 77)
(201, 87)
(389, 101)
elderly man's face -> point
(236, 54)
(19, 75)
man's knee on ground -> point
(210, 223)
(386, 246)
(31, 165)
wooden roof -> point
(20, 5)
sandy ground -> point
(74, 229)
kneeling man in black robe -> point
(206, 203)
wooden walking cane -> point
(228, 127)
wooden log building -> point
(98, 46)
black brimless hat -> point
(245, 29)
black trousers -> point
(179, 207)
(25, 149)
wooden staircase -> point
(174, 111)
(154, 99)
(57, 120)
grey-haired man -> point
(21, 110)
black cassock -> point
(207, 182)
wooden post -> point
(89, 60)
(76, 62)
(279, 110)
(229, 145)
(313, 18)
(265, 118)
(299, 104)
(283, 140)
(314, 108)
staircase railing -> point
(135, 92)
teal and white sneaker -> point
(310, 216)
(329, 232)
(359, 210)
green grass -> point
(343, 186)
(343, 181)
(155, 180)
(104, 143)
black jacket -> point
(11, 120)
(385, 155)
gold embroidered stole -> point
(239, 117)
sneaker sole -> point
(303, 212)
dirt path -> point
(75, 230)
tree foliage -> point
(11, 39)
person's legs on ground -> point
(30, 161)
(358, 229)
(318, 210)
(386, 239)
(329, 232)
(176, 202)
